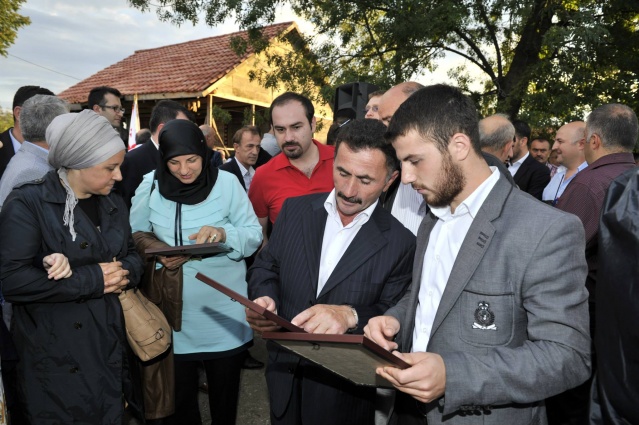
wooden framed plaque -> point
(194, 249)
(353, 357)
(285, 324)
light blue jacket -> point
(211, 322)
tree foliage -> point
(10, 22)
(6, 119)
(544, 60)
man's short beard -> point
(450, 183)
(292, 154)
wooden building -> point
(200, 74)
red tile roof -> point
(188, 67)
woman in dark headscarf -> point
(69, 333)
(187, 201)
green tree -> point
(543, 60)
(6, 119)
(10, 22)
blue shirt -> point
(211, 322)
(558, 183)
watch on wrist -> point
(356, 318)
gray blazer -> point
(525, 259)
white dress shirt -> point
(515, 165)
(408, 207)
(444, 243)
(338, 237)
(247, 175)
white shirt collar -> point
(331, 208)
(157, 146)
(243, 169)
(522, 159)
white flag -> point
(134, 127)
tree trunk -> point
(513, 85)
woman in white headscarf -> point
(70, 332)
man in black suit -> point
(333, 261)
(246, 142)
(145, 158)
(530, 175)
(11, 139)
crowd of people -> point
(473, 251)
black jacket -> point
(532, 177)
(137, 163)
(6, 151)
(69, 335)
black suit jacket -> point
(371, 276)
(6, 151)
(138, 162)
(532, 177)
(232, 167)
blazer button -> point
(74, 369)
(77, 325)
(84, 245)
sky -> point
(70, 40)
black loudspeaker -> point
(351, 99)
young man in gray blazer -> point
(489, 334)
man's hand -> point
(425, 380)
(257, 322)
(326, 319)
(57, 266)
(382, 330)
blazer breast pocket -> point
(487, 317)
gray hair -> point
(37, 113)
(496, 138)
(78, 141)
(616, 125)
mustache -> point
(352, 199)
(291, 144)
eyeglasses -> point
(115, 108)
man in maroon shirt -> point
(611, 134)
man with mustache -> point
(305, 166)
(488, 333)
(334, 260)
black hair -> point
(96, 95)
(522, 129)
(367, 134)
(165, 111)
(437, 112)
(309, 109)
(27, 92)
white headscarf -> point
(78, 141)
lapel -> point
(423, 235)
(368, 241)
(475, 245)
(523, 168)
(313, 232)
(238, 172)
